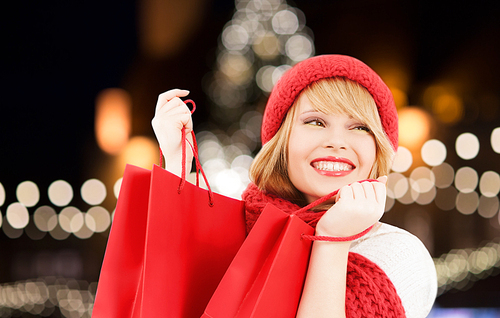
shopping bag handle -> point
(332, 238)
(199, 169)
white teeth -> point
(332, 166)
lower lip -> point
(333, 173)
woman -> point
(330, 123)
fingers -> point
(372, 191)
(164, 98)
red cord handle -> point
(197, 160)
(336, 239)
(332, 238)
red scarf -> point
(369, 292)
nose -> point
(336, 139)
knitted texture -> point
(288, 88)
(369, 292)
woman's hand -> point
(358, 206)
(171, 115)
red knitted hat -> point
(320, 67)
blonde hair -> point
(336, 95)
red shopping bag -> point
(267, 275)
(191, 236)
(122, 266)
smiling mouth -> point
(332, 166)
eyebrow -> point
(312, 110)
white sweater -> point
(407, 263)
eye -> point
(363, 128)
(314, 122)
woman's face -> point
(327, 151)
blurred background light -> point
(113, 120)
(444, 175)
(488, 206)
(495, 140)
(45, 218)
(66, 217)
(414, 127)
(467, 203)
(433, 152)
(116, 187)
(489, 184)
(446, 198)
(299, 47)
(235, 37)
(93, 191)
(466, 179)
(467, 146)
(97, 219)
(423, 179)
(267, 46)
(285, 22)
(448, 108)
(17, 215)
(140, 151)
(403, 160)
(397, 185)
(60, 193)
(27, 193)
(2, 194)
(264, 78)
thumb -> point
(382, 179)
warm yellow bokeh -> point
(113, 120)
(414, 127)
(140, 151)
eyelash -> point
(319, 122)
(314, 122)
(362, 127)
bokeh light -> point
(467, 146)
(140, 151)
(467, 203)
(397, 185)
(414, 127)
(444, 175)
(489, 184)
(403, 160)
(466, 179)
(117, 186)
(70, 219)
(9, 231)
(58, 233)
(488, 206)
(446, 198)
(495, 140)
(236, 67)
(299, 47)
(45, 218)
(97, 219)
(27, 193)
(17, 215)
(93, 191)
(264, 78)
(285, 22)
(60, 193)
(433, 152)
(266, 46)
(2, 194)
(423, 179)
(448, 108)
(113, 119)
(235, 37)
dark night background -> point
(58, 55)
